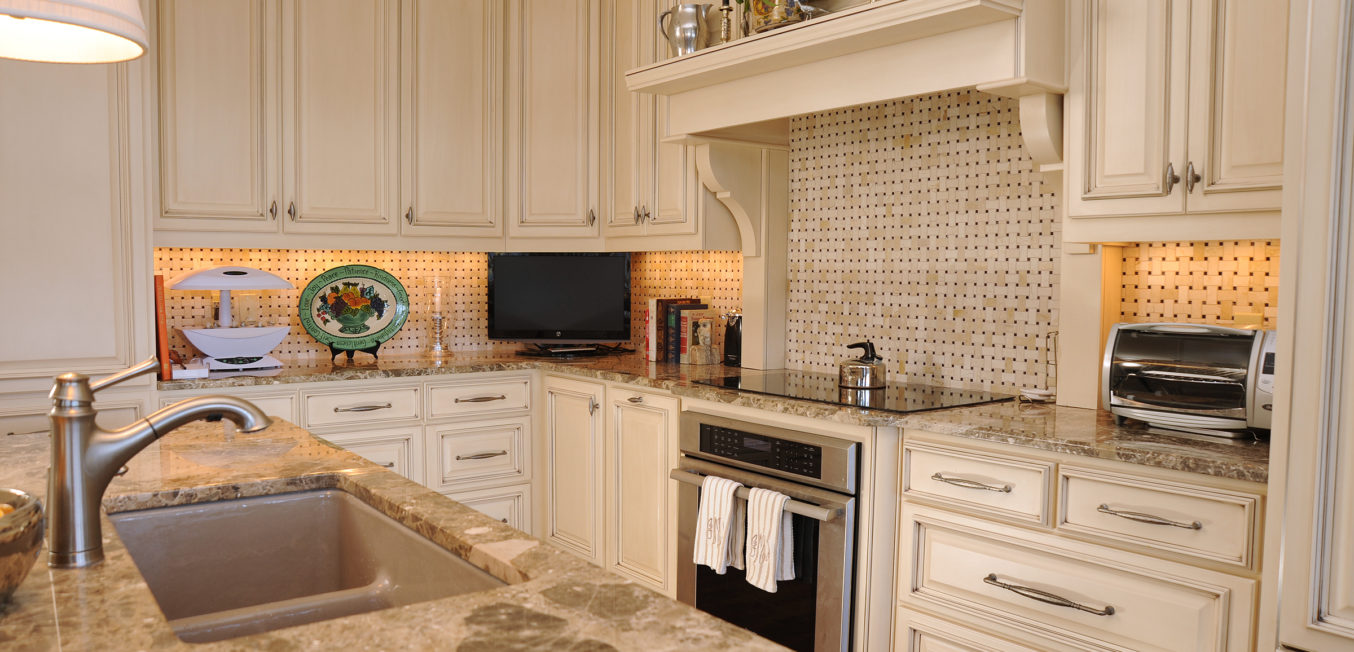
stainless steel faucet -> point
(85, 457)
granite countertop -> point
(1074, 431)
(553, 600)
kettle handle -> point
(868, 348)
(664, 30)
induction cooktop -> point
(896, 397)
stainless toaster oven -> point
(1208, 380)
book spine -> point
(684, 357)
(162, 330)
(674, 338)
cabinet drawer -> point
(397, 449)
(917, 632)
(989, 484)
(1107, 598)
(510, 505)
(1191, 520)
(274, 405)
(478, 451)
(479, 397)
(350, 407)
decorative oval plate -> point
(354, 307)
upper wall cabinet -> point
(452, 117)
(278, 115)
(554, 123)
(1175, 109)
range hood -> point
(883, 50)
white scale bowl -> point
(236, 342)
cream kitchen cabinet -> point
(74, 245)
(452, 118)
(279, 114)
(608, 498)
(554, 124)
(1175, 118)
(397, 449)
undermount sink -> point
(225, 569)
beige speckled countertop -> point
(1068, 430)
(553, 600)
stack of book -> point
(680, 330)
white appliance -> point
(230, 348)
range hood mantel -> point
(883, 50)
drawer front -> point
(479, 397)
(1114, 599)
(918, 632)
(478, 451)
(397, 449)
(355, 407)
(274, 405)
(988, 484)
(510, 505)
(1190, 520)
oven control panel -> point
(762, 450)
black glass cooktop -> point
(896, 397)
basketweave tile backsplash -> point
(922, 225)
(713, 274)
(1217, 283)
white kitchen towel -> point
(770, 540)
(715, 522)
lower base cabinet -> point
(511, 505)
(608, 450)
(397, 449)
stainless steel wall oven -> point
(819, 474)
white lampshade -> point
(230, 277)
(72, 31)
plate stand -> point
(334, 352)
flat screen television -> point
(559, 298)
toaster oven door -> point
(1203, 374)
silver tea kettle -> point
(865, 372)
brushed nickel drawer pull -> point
(1148, 518)
(1191, 177)
(1171, 178)
(1046, 597)
(364, 408)
(481, 456)
(388, 465)
(636, 399)
(31, 432)
(291, 211)
(272, 211)
(482, 399)
(971, 484)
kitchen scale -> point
(229, 348)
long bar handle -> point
(1149, 519)
(1046, 597)
(364, 408)
(970, 484)
(482, 456)
(481, 399)
(793, 506)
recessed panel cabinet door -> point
(554, 165)
(219, 156)
(641, 449)
(628, 146)
(452, 117)
(1238, 57)
(1133, 82)
(340, 66)
(573, 435)
(68, 235)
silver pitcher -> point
(688, 29)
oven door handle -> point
(793, 506)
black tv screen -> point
(559, 297)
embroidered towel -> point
(770, 540)
(715, 519)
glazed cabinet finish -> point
(553, 155)
(641, 502)
(573, 421)
(452, 118)
(72, 231)
(1176, 107)
(339, 73)
(219, 144)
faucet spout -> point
(85, 457)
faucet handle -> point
(144, 367)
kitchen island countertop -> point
(553, 600)
(1043, 426)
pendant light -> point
(72, 31)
